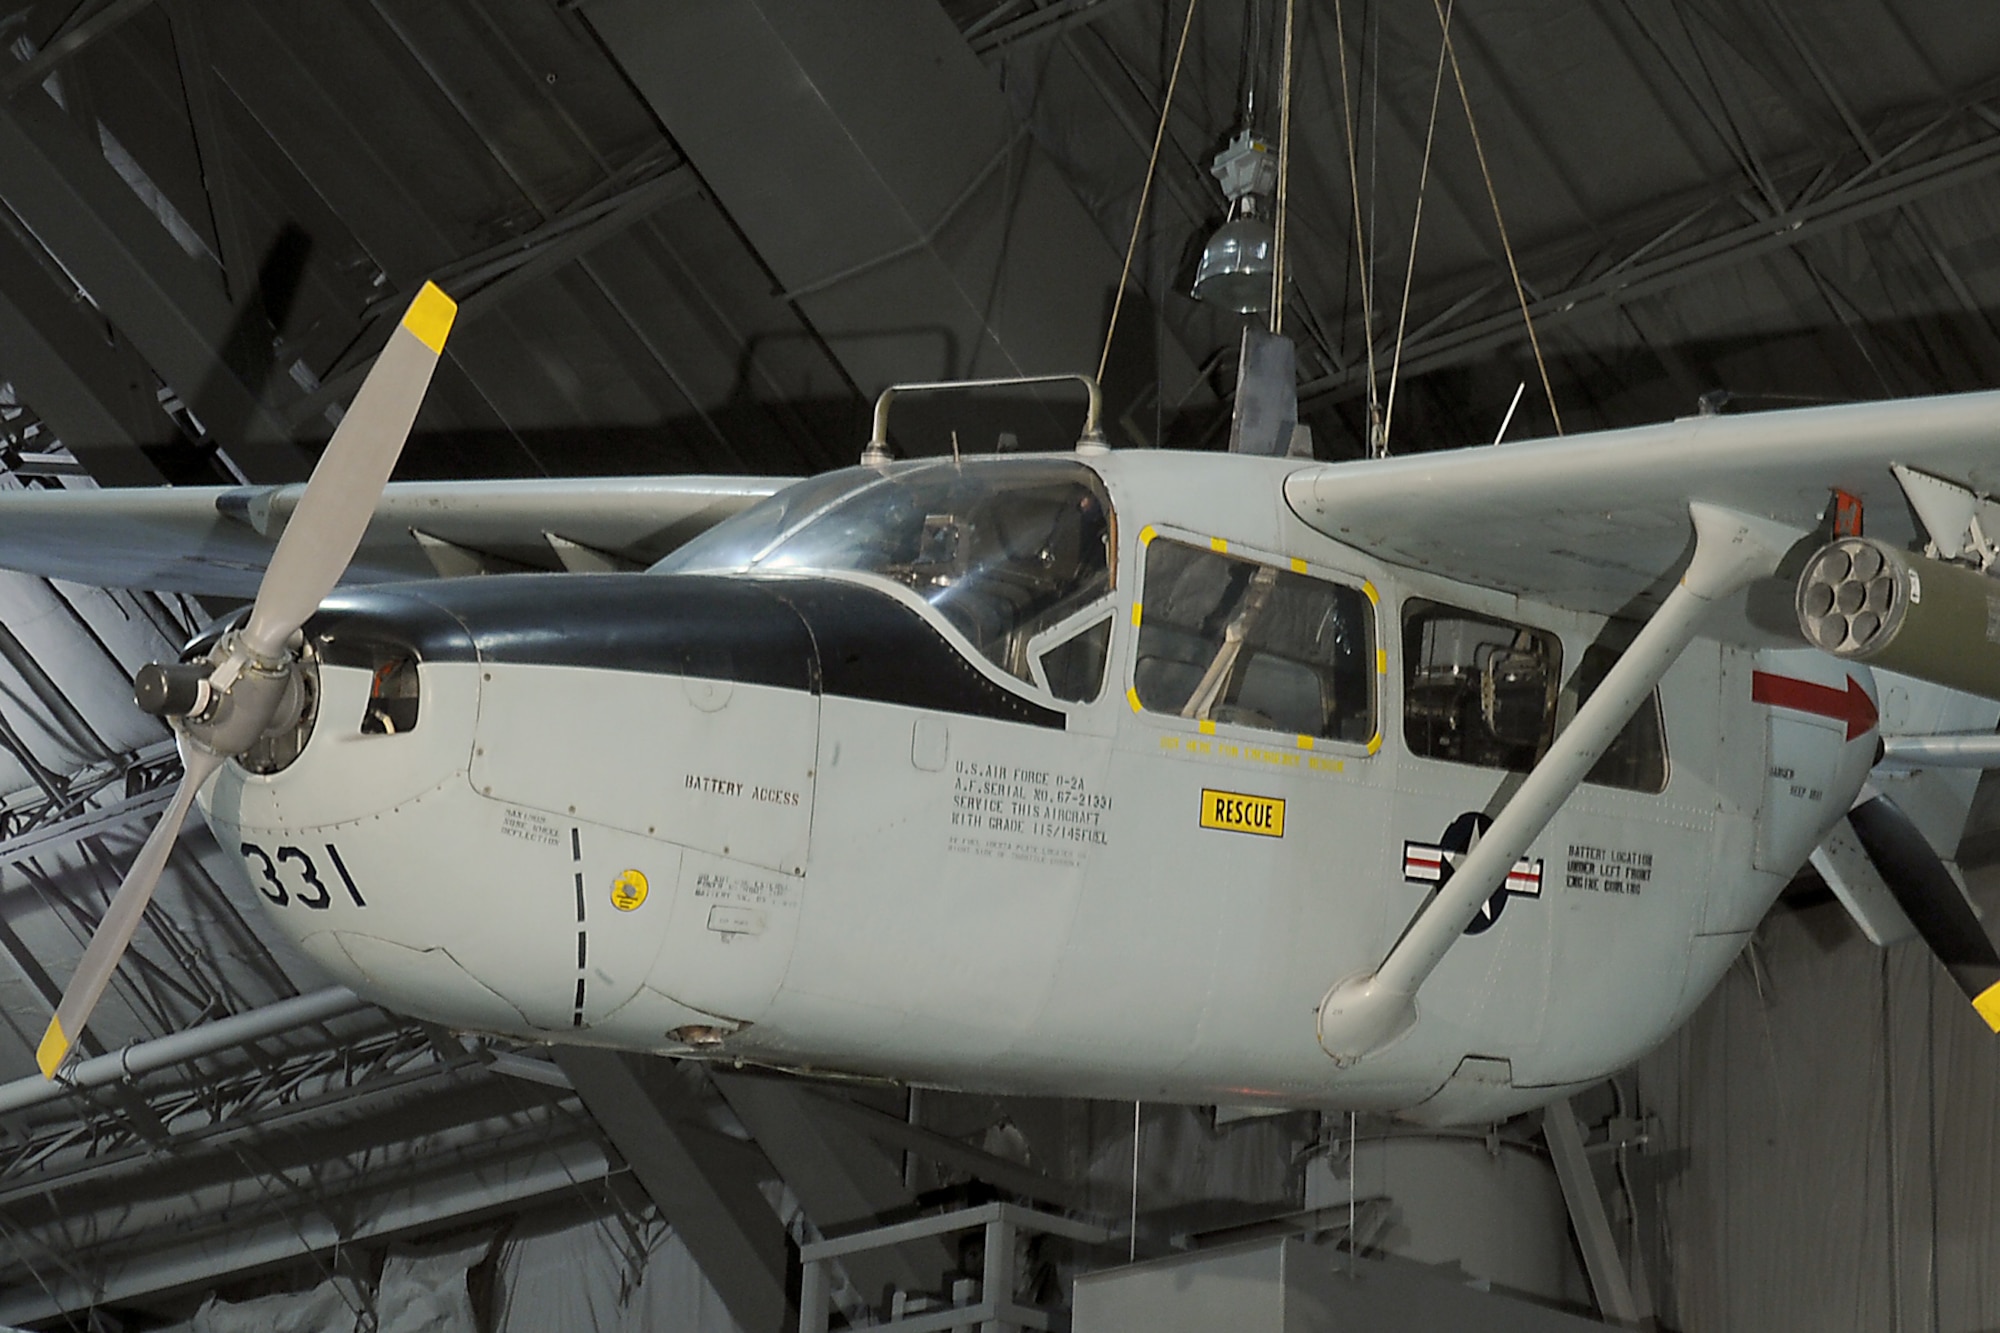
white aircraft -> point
(1443, 784)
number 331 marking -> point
(309, 891)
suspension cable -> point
(1146, 190)
(1493, 197)
(1284, 177)
(1360, 236)
(1416, 229)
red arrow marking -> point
(1851, 706)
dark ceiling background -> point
(699, 237)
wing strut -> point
(1367, 1011)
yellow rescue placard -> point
(1239, 812)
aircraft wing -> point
(1596, 522)
(217, 540)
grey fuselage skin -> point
(795, 818)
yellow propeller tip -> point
(429, 317)
(1987, 1002)
(53, 1050)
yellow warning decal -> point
(1239, 812)
(628, 890)
(429, 317)
(1988, 1005)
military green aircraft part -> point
(1865, 601)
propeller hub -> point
(257, 697)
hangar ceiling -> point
(699, 238)
(690, 237)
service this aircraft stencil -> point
(1441, 784)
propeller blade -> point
(115, 931)
(1924, 888)
(332, 515)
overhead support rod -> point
(1366, 1012)
(204, 1039)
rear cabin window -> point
(1234, 641)
(1637, 759)
(1486, 691)
(1476, 689)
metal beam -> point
(709, 1200)
(481, 1186)
(950, 1152)
(1889, 182)
(880, 175)
(480, 282)
(1606, 1270)
(87, 386)
(171, 307)
(842, 1180)
(194, 1042)
(75, 34)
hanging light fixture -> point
(1236, 264)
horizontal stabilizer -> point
(1969, 750)
(1958, 521)
(1845, 867)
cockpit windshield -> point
(1005, 549)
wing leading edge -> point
(217, 540)
(1599, 523)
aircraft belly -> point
(1626, 884)
(1199, 952)
(948, 856)
(728, 943)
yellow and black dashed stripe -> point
(582, 932)
(1298, 566)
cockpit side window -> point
(1073, 668)
(739, 541)
(1229, 640)
(1476, 689)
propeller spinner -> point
(223, 705)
